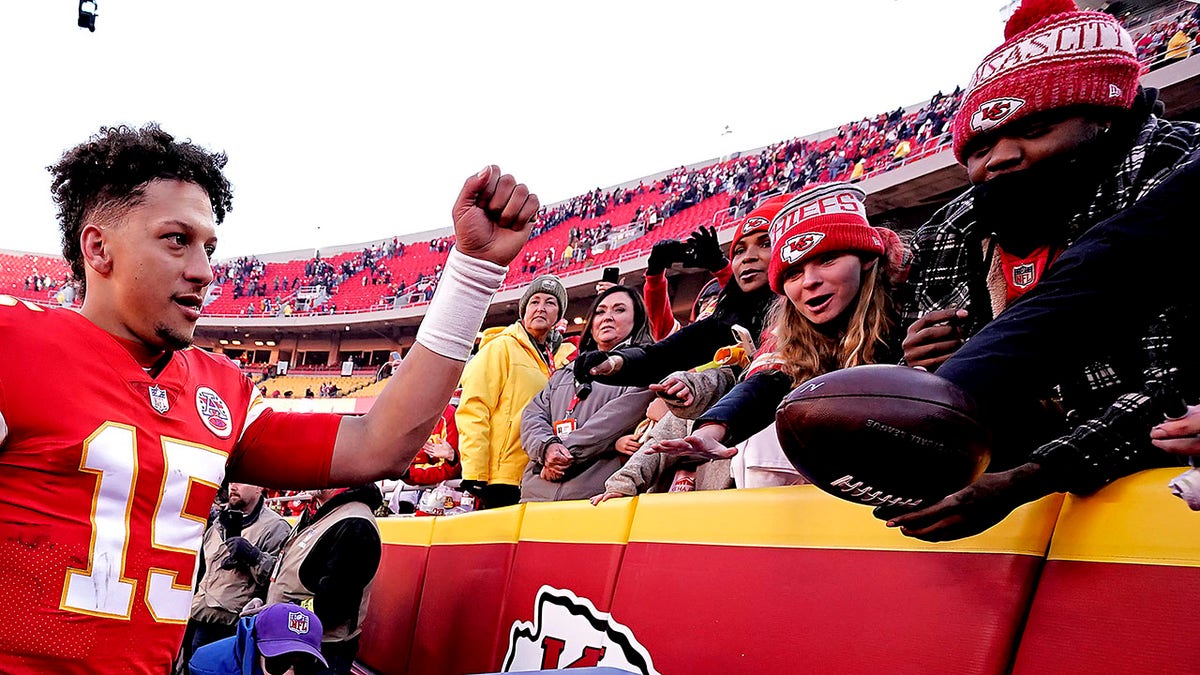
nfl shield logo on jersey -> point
(213, 412)
(298, 623)
(1024, 275)
(158, 399)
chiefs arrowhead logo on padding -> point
(568, 631)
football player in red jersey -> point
(114, 433)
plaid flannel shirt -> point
(1112, 403)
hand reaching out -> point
(675, 391)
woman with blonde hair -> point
(835, 273)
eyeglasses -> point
(300, 664)
(584, 391)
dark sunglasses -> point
(301, 664)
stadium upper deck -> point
(898, 157)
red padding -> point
(1093, 617)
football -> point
(883, 435)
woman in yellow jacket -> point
(512, 366)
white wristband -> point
(459, 305)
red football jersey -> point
(106, 478)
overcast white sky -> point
(356, 120)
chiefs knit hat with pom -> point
(759, 219)
(1053, 56)
(825, 218)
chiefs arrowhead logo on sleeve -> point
(795, 247)
(569, 632)
(213, 412)
(991, 113)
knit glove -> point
(705, 251)
(663, 255)
(242, 554)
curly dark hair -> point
(111, 170)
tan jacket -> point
(285, 581)
(222, 593)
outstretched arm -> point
(491, 224)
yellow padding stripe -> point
(578, 522)
(805, 517)
(406, 531)
(495, 526)
(1134, 520)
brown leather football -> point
(883, 435)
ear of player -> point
(492, 216)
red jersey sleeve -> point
(285, 450)
(724, 274)
(658, 306)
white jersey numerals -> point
(102, 589)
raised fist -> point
(492, 216)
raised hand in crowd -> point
(934, 338)
(492, 216)
(702, 444)
(1180, 436)
(674, 390)
(705, 251)
(664, 254)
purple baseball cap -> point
(286, 628)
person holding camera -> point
(700, 250)
(235, 564)
(744, 303)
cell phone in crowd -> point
(233, 520)
(612, 275)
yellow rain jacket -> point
(496, 386)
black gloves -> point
(704, 251)
(474, 487)
(241, 554)
(586, 361)
(663, 255)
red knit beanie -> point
(826, 217)
(758, 220)
(1053, 56)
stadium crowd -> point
(639, 401)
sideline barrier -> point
(391, 620)
(466, 581)
(781, 579)
(563, 545)
(1117, 592)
